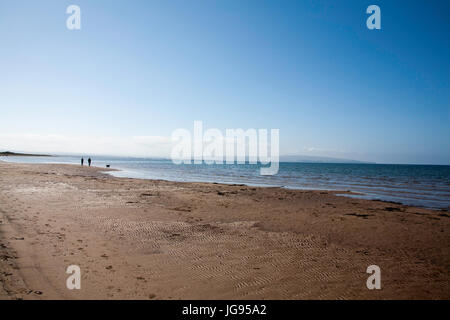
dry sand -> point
(147, 239)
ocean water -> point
(417, 185)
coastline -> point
(14, 154)
(157, 239)
(411, 185)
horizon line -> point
(324, 161)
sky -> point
(138, 70)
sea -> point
(425, 186)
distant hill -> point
(14, 154)
(300, 158)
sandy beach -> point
(152, 239)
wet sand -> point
(152, 239)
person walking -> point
(89, 161)
(82, 161)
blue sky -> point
(138, 70)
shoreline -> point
(339, 192)
(14, 154)
(158, 239)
